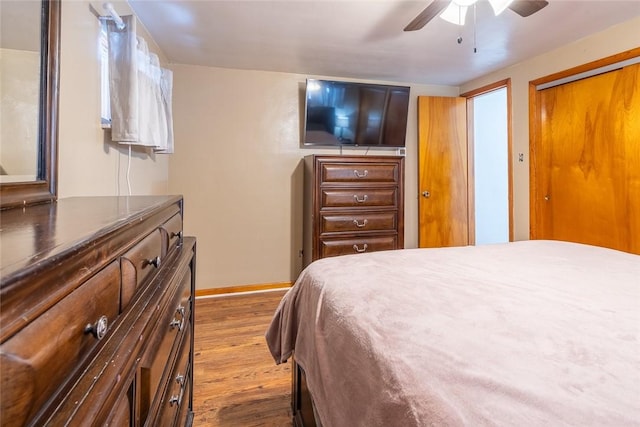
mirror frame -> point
(44, 188)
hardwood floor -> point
(236, 381)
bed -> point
(527, 333)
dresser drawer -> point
(139, 263)
(185, 297)
(351, 198)
(360, 222)
(358, 172)
(334, 247)
(42, 355)
(185, 414)
(176, 399)
(122, 412)
(173, 325)
(171, 234)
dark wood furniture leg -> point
(301, 403)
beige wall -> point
(237, 163)
(237, 149)
(19, 91)
(614, 40)
(89, 163)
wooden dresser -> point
(96, 313)
(353, 204)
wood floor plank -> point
(236, 382)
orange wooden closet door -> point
(587, 161)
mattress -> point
(524, 333)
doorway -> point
(490, 167)
(464, 169)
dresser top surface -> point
(36, 234)
(356, 158)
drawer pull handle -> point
(360, 175)
(360, 224)
(175, 323)
(357, 249)
(358, 200)
(180, 379)
(180, 310)
(155, 262)
(178, 234)
(98, 329)
(175, 400)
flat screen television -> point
(355, 114)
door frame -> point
(506, 83)
(535, 137)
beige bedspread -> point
(534, 333)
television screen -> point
(357, 114)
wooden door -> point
(442, 172)
(586, 161)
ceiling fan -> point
(455, 10)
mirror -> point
(29, 101)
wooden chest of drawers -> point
(353, 204)
(96, 309)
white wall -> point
(614, 40)
(89, 163)
(237, 163)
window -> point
(105, 103)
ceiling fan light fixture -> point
(466, 3)
(499, 5)
(455, 12)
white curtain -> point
(140, 91)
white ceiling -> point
(365, 39)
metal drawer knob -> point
(360, 175)
(362, 200)
(360, 224)
(178, 234)
(175, 400)
(180, 310)
(98, 329)
(175, 323)
(357, 249)
(180, 379)
(155, 262)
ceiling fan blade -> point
(427, 15)
(525, 8)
